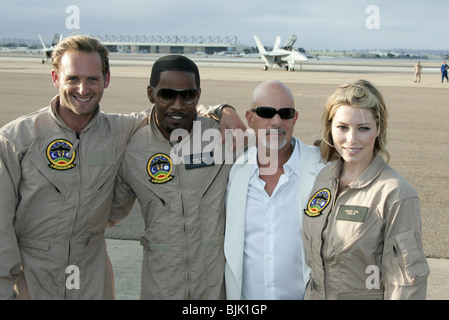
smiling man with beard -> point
(263, 244)
(182, 202)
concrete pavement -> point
(126, 258)
(125, 252)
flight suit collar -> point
(156, 133)
(54, 103)
(368, 176)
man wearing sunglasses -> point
(182, 202)
(263, 240)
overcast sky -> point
(318, 24)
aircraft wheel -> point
(265, 68)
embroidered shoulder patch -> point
(159, 167)
(60, 155)
(318, 202)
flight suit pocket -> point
(162, 247)
(38, 264)
(156, 270)
(91, 255)
(362, 295)
(409, 261)
(34, 244)
(308, 247)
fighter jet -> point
(47, 51)
(284, 57)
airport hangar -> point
(171, 44)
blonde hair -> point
(79, 43)
(358, 94)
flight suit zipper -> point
(184, 230)
(331, 208)
(75, 147)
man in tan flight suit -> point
(57, 171)
(180, 183)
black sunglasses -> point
(270, 112)
(166, 95)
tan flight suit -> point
(183, 209)
(56, 193)
(366, 241)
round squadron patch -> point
(59, 155)
(318, 202)
(159, 168)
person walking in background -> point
(418, 68)
(444, 68)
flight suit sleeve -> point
(404, 265)
(9, 250)
(212, 112)
(123, 199)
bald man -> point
(263, 242)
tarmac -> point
(418, 138)
(126, 259)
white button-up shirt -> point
(272, 253)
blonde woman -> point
(362, 224)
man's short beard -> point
(278, 145)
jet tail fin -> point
(56, 39)
(277, 43)
(259, 45)
(42, 42)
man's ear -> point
(249, 118)
(150, 94)
(107, 79)
(55, 78)
(295, 118)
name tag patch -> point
(199, 160)
(352, 213)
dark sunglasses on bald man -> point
(270, 112)
(166, 95)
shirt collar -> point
(291, 166)
(372, 172)
(55, 103)
(368, 176)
